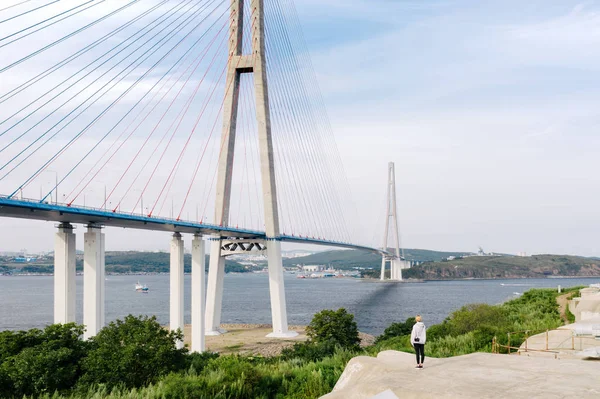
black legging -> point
(420, 350)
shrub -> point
(472, 317)
(13, 342)
(397, 330)
(42, 361)
(309, 351)
(196, 362)
(452, 346)
(438, 331)
(334, 326)
(132, 352)
(401, 343)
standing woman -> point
(418, 337)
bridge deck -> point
(34, 209)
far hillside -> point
(116, 262)
(507, 267)
(346, 259)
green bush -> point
(41, 361)
(132, 352)
(438, 330)
(401, 343)
(397, 330)
(309, 351)
(475, 316)
(452, 346)
(197, 362)
(336, 327)
(13, 342)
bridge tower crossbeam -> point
(239, 64)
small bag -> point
(417, 339)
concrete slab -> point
(479, 375)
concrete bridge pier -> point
(93, 281)
(214, 290)
(176, 285)
(277, 291)
(64, 274)
(198, 295)
(397, 269)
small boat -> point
(141, 288)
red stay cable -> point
(187, 141)
(210, 135)
(156, 127)
(129, 136)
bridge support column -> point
(198, 270)
(382, 268)
(397, 269)
(214, 291)
(64, 274)
(93, 281)
(277, 290)
(176, 285)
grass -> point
(237, 377)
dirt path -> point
(563, 302)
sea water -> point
(27, 301)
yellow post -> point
(526, 337)
(508, 343)
(546, 339)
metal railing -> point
(498, 348)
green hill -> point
(507, 267)
(117, 262)
(154, 262)
(346, 259)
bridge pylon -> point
(238, 64)
(397, 262)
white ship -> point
(141, 288)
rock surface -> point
(479, 375)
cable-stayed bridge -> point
(199, 117)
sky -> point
(488, 109)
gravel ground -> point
(251, 339)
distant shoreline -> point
(483, 278)
(368, 279)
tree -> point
(397, 330)
(334, 326)
(133, 352)
(39, 361)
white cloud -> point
(489, 111)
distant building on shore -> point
(313, 268)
